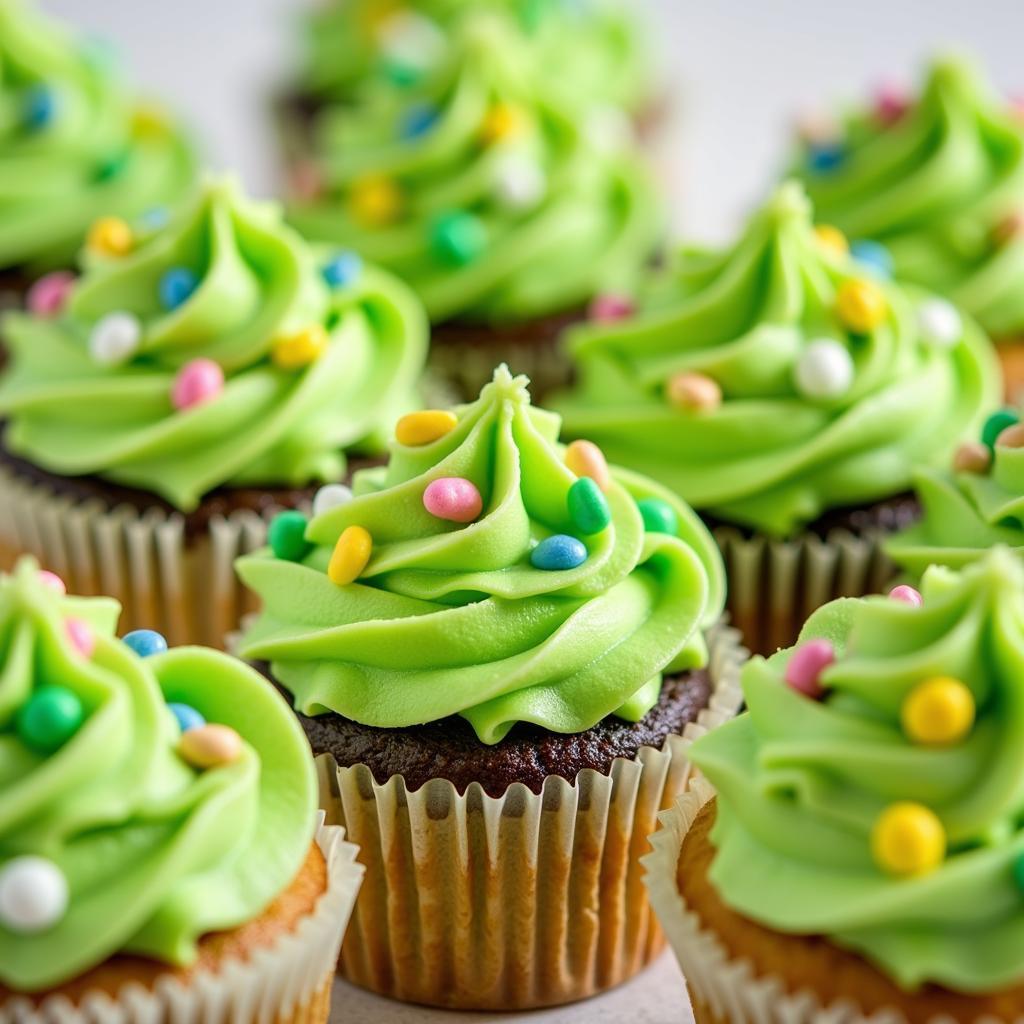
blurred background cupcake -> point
(500, 650)
(787, 392)
(199, 375)
(859, 856)
(75, 144)
(508, 209)
(159, 851)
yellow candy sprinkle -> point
(420, 428)
(208, 746)
(501, 122)
(861, 306)
(149, 122)
(111, 236)
(375, 200)
(350, 556)
(300, 349)
(938, 712)
(584, 458)
(832, 238)
(908, 839)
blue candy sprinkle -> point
(825, 156)
(145, 642)
(187, 716)
(177, 286)
(155, 218)
(873, 255)
(343, 269)
(40, 105)
(418, 120)
(558, 552)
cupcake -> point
(787, 394)
(198, 375)
(160, 857)
(933, 187)
(859, 855)
(505, 209)
(500, 650)
(74, 145)
(970, 507)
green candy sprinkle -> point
(458, 238)
(588, 507)
(658, 516)
(112, 166)
(52, 715)
(287, 536)
(996, 424)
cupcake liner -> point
(183, 586)
(288, 982)
(774, 585)
(527, 900)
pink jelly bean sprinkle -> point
(891, 103)
(609, 308)
(197, 382)
(454, 499)
(52, 581)
(48, 296)
(82, 637)
(907, 594)
(806, 664)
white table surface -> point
(656, 996)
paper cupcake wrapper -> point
(288, 982)
(527, 900)
(184, 587)
(774, 585)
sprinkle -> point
(418, 120)
(658, 516)
(454, 499)
(832, 238)
(824, 157)
(938, 712)
(198, 381)
(186, 716)
(500, 123)
(458, 237)
(39, 107)
(1011, 437)
(49, 295)
(287, 536)
(972, 457)
(996, 424)
(33, 895)
(824, 370)
(177, 286)
(694, 392)
(210, 746)
(150, 122)
(558, 553)
(520, 182)
(908, 595)
(155, 218)
(908, 839)
(588, 507)
(861, 306)
(145, 642)
(375, 200)
(1008, 228)
(301, 349)
(608, 308)
(81, 636)
(584, 458)
(873, 255)
(50, 717)
(891, 103)
(52, 581)
(940, 323)
(111, 166)
(115, 338)
(420, 428)
(343, 269)
(815, 126)
(331, 496)
(351, 555)
(805, 666)
(110, 236)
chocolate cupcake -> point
(859, 857)
(74, 145)
(788, 395)
(497, 649)
(198, 374)
(502, 206)
(160, 857)
(932, 186)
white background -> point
(737, 69)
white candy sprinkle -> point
(331, 496)
(520, 183)
(33, 894)
(115, 339)
(412, 39)
(824, 370)
(940, 323)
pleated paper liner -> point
(774, 585)
(522, 901)
(287, 982)
(1011, 358)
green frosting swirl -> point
(454, 619)
(597, 46)
(155, 852)
(801, 784)
(258, 282)
(534, 222)
(770, 455)
(73, 144)
(933, 186)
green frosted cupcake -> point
(788, 395)
(201, 373)
(74, 144)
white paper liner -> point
(526, 900)
(774, 585)
(184, 587)
(285, 982)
